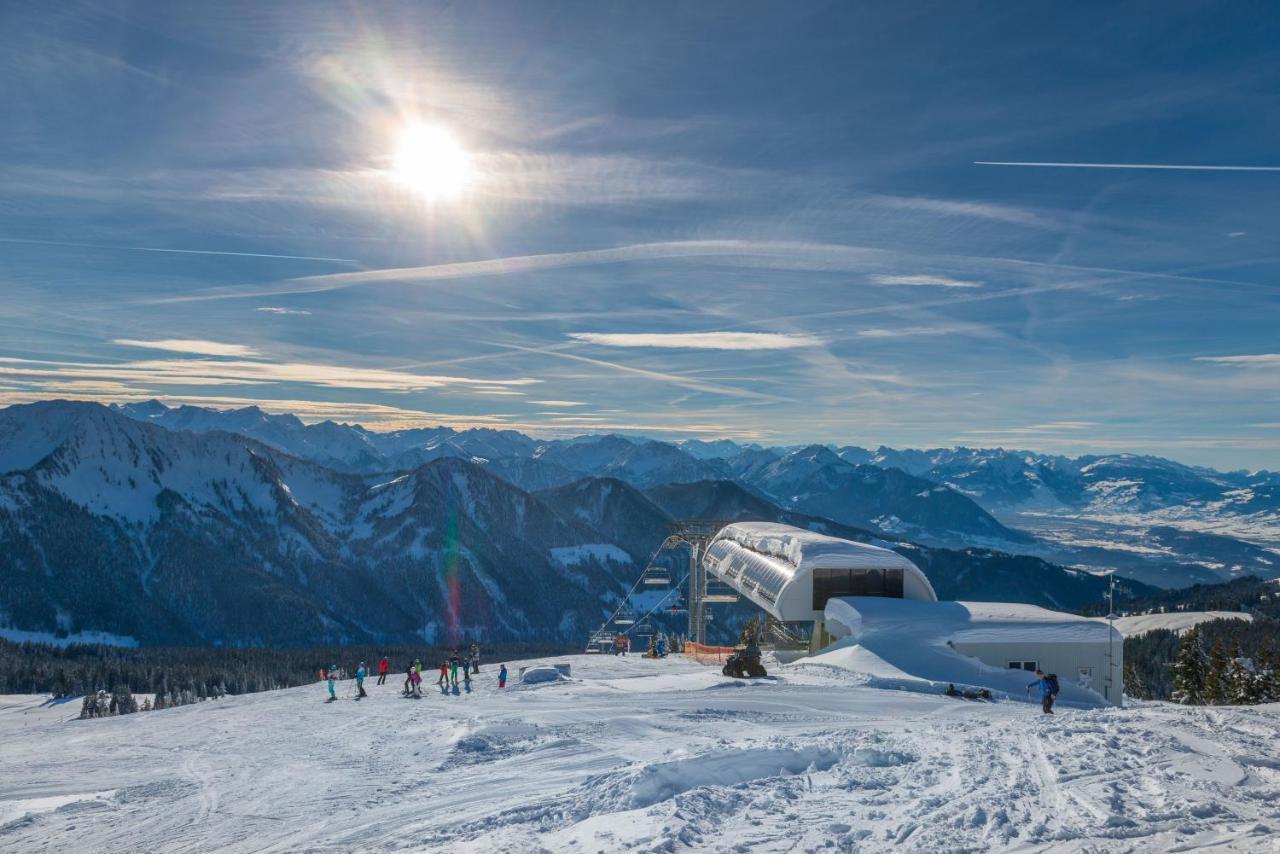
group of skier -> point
(469, 664)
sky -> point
(782, 223)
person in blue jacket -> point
(333, 677)
(502, 676)
(360, 672)
(1048, 691)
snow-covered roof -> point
(963, 622)
(764, 560)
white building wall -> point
(1096, 666)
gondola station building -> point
(877, 606)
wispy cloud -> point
(924, 280)
(747, 253)
(967, 208)
(1183, 167)
(559, 403)
(189, 345)
(210, 372)
(1244, 361)
(275, 309)
(700, 340)
(176, 251)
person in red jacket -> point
(383, 667)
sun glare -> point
(430, 162)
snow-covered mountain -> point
(111, 523)
(1099, 512)
(120, 526)
(817, 481)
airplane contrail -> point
(175, 251)
(1168, 166)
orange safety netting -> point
(707, 654)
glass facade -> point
(855, 582)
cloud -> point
(178, 251)
(924, 280)
(786, 255)
(915, 331)
(189, 345)
(209, 372)
(1244, 361)
(975, 210)
(558, 403)
(275, 309)
(1168, 166)
(1034, 429)
(700, 340)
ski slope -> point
(1175, 621)
(632, 754)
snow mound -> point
(664, 780)
(539, 674)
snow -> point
(638, 754)
(567, 556)
(1176, 621)
(91, 637)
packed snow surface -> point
(639, 755)
(1177, 621)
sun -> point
(429, 161)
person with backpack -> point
(360, 674)
(383, 667)
(1048, 687)
(502, 676)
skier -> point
(333, 677)
(416, 678)
(1048, 690)
(409, 673)
(453, 671)
(443, 681)
(383, 667)
(466, 671)
(502, 676)
(360, 672)
(475, 658)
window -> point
(1024, 665)
(855, 582)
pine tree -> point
(1188, 670)
(1239, 679)
(1215, 676)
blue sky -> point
(760, 221)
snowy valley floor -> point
(639, 755)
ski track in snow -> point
(638, 755)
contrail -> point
(1169, 166)
(176, 251)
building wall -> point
(1084, 664)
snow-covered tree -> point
(1189, 670)
(1240, 682)
(1217, 689)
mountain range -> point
(1154, 519)
(159, 525)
